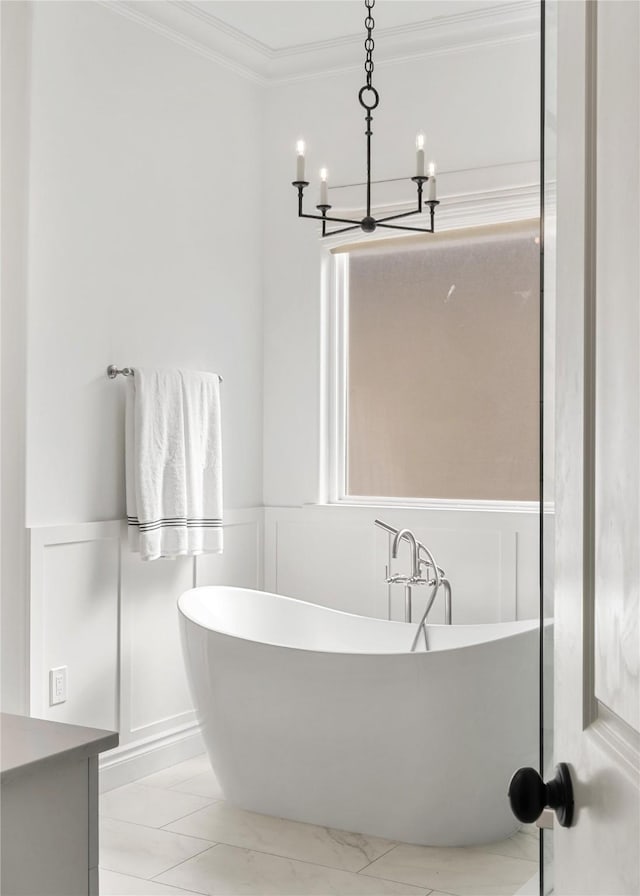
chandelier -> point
(369, 98)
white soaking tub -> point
(326, 717)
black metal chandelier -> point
(369, 98)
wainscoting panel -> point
(332, 565)
(154, 685)
(334, 555)
(112, 620)
(241, 562)
(74, 621)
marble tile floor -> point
(172, 834)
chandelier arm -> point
(432, 207)
(395, 217)
(336, 220)
(342, 230)
(401, 227)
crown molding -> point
(208, 20)
(170, 26)
(201, 32)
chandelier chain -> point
(369, 44)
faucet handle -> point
(408, 580)
(397, 580)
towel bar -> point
(113, 372)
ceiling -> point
(283, 24)
(273, 41)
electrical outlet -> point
(57, 685)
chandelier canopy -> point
(369, 98)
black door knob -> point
(529, 795)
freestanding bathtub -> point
(325, 717)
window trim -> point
(509, 206)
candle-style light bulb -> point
(300, 148)
(324, 195)
(420, 155)
(432, 181)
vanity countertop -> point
(26, 742)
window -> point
(439, 378)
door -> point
(597, 486)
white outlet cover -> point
(57, 685)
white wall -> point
(479, 109)
(16, 35)
(143, 251)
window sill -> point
(445, 504)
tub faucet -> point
(413, 544)
(408, 581)
(433, 577)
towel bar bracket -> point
(113, 371)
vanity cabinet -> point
(49, 806)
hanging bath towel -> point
(173, 463)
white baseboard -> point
(151, 754)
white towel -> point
(173, 463)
